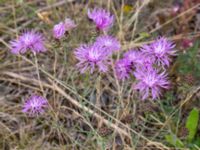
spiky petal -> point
(91, 57)
(109, 42)
(102, 18)
(35, 105)
(29, 40)
(123, 69)
(61, 28)
(137, 58)
(150, 82)
(161, 50)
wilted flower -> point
(61, 28)
(150, 82)
(35, 105)
(123, 68)
(186, 43)
(91, 56)
(109, 42)
(102, 18)
(29, 40)
(160, 50)
(69, 24)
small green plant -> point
(192, 123)
(192, 140)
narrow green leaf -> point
(192, 123)
(174, 140)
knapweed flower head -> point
(123, 69)
(61, 28)
(35, 105)
(150, 82)
(29, 40)
(161, 50)
(109, 42)
(132, 55)
(102, 18)
(91, 57)
(137, 58)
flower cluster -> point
(29, 40)
(61, 28)
(148, 65)
(97, 54)
(35, 105)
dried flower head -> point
(161, 50)
(187, 43)
(109, 42)
(102, 18)
(35, 105)
(61, 28)
(92, 56)
(29, 40)
(150, 82)
(123, 68)
(69, 24)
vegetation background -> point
(90, 112)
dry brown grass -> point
(86, 112)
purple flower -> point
(102, 18)
(123, 69)
(91, 56)
(160, 50)
(137, 58)
(29, 40)
(35, 105)
(150, 81)
(61, 28)
(109, 42)
(133, 56)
